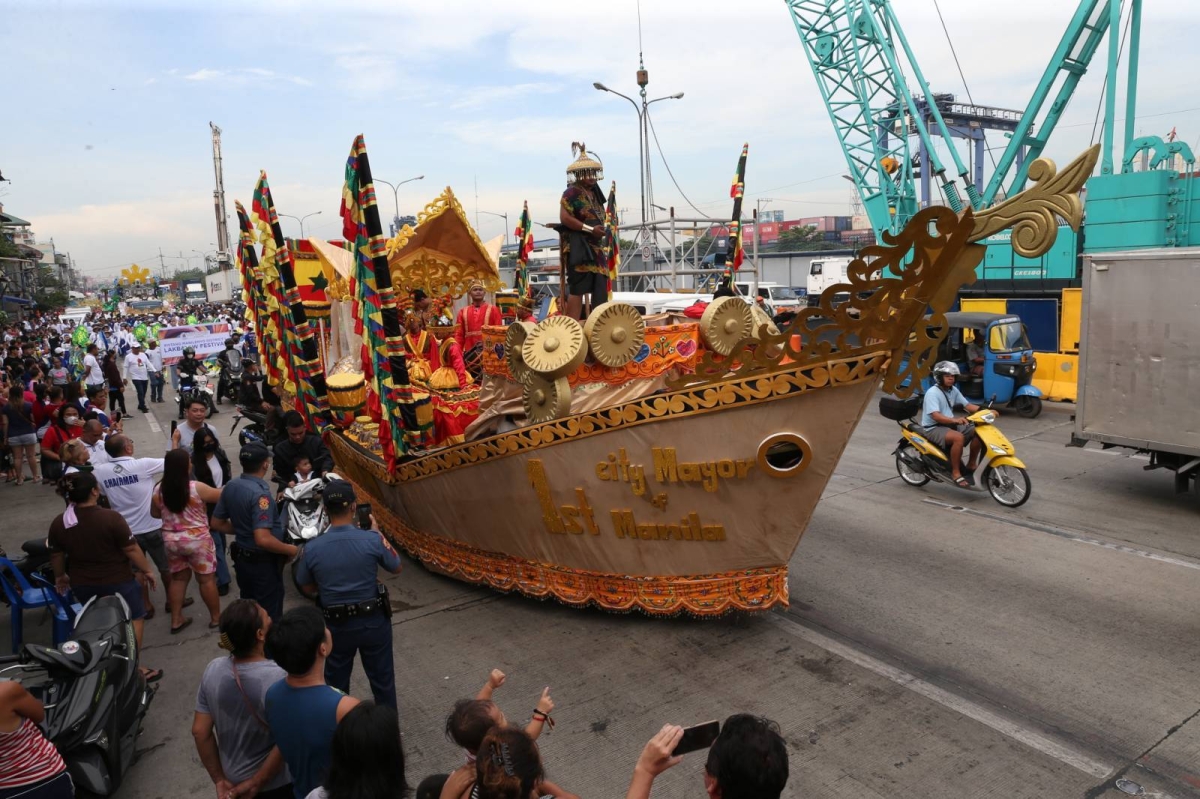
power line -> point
(954, 53)
(668, 166)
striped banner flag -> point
(524, 235)
(297, 340)
(612, 237)
(377, 316)
(254, 293)
(735, 226)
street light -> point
(396, 198)
(301, 219)
(642, 132)
(493, 213)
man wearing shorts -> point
(581, 222)
(128, 483)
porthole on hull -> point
(784, 455)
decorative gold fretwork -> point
(1033, 214)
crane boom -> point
(219, 200)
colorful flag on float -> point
(735, 225)
(298, 340)
(524, 235)
(254, 294)
(612, 236)
(377, 315)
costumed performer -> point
(421, 348)
(453, 374)
(581, 219)
(469, 324)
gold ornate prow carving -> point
(1032, 213)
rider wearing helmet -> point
(230, 364)
(948, 431)
(189, 366)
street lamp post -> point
(505, 215)
(300, 219)
(643, 155)
(395, 227)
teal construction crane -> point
(861, 60)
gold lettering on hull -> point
(580, 517)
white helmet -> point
(944, 368)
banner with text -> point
(206, 339)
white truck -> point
(221, 286)
(824, 273)
(194, 293)
(1138, 358)
(777, 297)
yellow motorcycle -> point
(919, 460)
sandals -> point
(962, 482)
(152, 675)
(187, 603)
(177, 630)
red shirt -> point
(43, 412)
(469, 324)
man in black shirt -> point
(299, 442)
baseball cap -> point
(338, 492)
(254, 453)
(137, 345)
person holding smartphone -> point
(342, 566)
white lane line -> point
(1071, 535)
(154, 425)
(1025, 735)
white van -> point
(778, 298)
(824, 273)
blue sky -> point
(107, 144)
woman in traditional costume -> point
(453, 375)
(421, 349)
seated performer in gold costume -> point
(452, 375)
(420, 348)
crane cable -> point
(963, 77)
(668, 166)
(1104, 85)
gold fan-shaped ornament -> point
(761, 318)
(555, 347)
(726, 321)
(615, 331)
(547, 399)
(514, 338)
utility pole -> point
(162, 266)
(219, 200)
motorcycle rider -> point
(299, 442)
(948, 431)
(189, 367)
(230, 363)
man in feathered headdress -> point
(581, 217)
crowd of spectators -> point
(266, 722)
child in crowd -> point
(304, 469)
(58, 373)
(471, 721)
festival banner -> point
(612, 237)
(207, 339)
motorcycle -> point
(255, 429)
(305, 516)
(229, 384)
(94, 694)
(199, 385)
(34, 564)
(919, 460)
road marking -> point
(154, 425)
(1071, 535)
(972, 710)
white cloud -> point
(243, 75)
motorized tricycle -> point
(996, 360)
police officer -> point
(341, 565)
(247, 509)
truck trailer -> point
(1139, 363)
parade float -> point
(663, 465)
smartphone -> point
(699, 737)
(364, 516)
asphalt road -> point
(938, 645)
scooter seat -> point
(75, 657)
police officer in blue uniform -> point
(247, 510)
(342, 565)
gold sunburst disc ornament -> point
(725, 323)
(555, 347)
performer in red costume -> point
(468, 328)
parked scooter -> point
(919, 460)
(35, 561)
(255, 429)
(95, 695)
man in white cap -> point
(137, 370)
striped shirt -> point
(26, 757)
